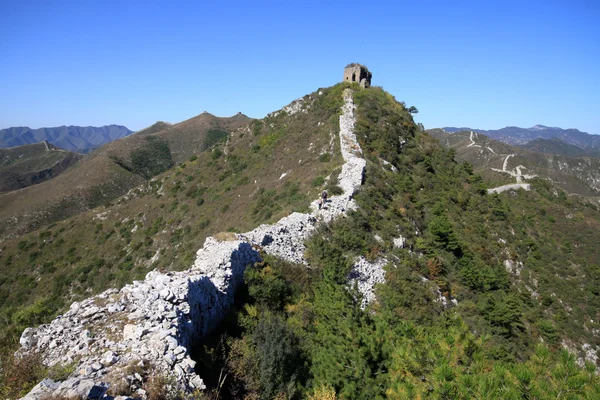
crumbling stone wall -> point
(155, 322)
(358, 73)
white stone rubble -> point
(399, 242)
(512, 186)
(153, 323)
(286, 237)
(512, 267)
(365, 275)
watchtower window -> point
(353, 77)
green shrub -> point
(152, 158)
(279, 357)
(334, 190)
(215, 136)
(325, 157)
(266, 287)
(318, 181)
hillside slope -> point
(498, 162)
(81, 139)
(557, 146)
(487, 296)
(32, 164)
(109, 172)
(219, 264)
(262, 173)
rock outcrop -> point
(153, 323)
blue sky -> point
(482, 64)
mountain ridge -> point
(475, 294)
(519, 136)
(31, 164)
(232, 254)
(559, 146)
(577, 175)
(82, 139)
(110, 171)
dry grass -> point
(323, 393)
(264, 173)
(160, 387)
(98, 179)
(225, 236)
(19, 375)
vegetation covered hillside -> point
(557, 146)
(110, 172)
(482, 293)
(259, 173)
(478, 301)
(31, 164)
(576, 175)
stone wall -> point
(153, 323)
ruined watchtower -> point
(357, 73)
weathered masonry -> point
(358, 73)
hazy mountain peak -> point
(519, 136)
(81, 139)
(539, 127)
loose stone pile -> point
(153, 323)
(365, 275)
(150, 323)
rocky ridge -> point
(153, 323)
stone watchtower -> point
(357, 73)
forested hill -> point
(81, 139)
(485, 296)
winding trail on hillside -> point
(472, 144)
(505, 163)
(515, 173)
(472, 137)
(155, 323)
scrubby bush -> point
(152, 158)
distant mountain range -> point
(558, 146)
(81, 139)
(520, 136)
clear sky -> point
(482, 64)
